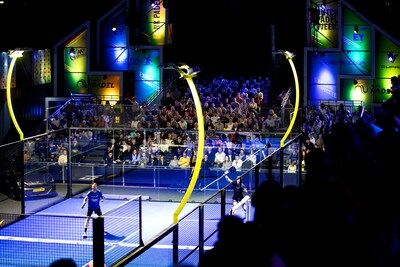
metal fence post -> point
(69, 184)
(201, 230)
(98, 241)
(175, 243)
(300, 168)
(257, 177)
(223, 202)
(281, 156)
(140, 222)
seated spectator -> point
(218, 125)
(27, 156)
(207, 162)
(184, 161)
(292, 168)
(144, 159)
(182, 124)
(219, 157)
(135, 159)
(63, 158)
(237, 163)
(109, 159)
(226, 164)
(252, 158)
(193, 158)
(75, 147)
(272, 121)
(119, 157)
(230, 155)
(174, 163)
(229, 125)
(157, 159)
(242, 155)
(253, 105)
(319, 143)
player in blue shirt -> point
(93, 196)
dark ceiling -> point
(216, 33)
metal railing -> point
(217, 209)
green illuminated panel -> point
(367, 91)
(356, 41)
(356, 32)
(357, 90)
(385, 68)
(356, 59)
(75, 65)
(382, 90)
(75, 82)
(76, 62)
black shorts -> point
(97, 211)
(237, 198)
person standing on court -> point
(238, 193)
(93, 197)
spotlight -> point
(72, 51)
(113, 27)
(355, 28)
(391, 57)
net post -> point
(175, 242)
(201, 230)
(300, 164)
(257, 176)
(98, 241)
(140, 222)
(281, 156)
(223, 202)
(270, 168)
(248, 217)
(21, 167)
(69, 185)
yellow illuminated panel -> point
(156, 25)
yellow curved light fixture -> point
(187, 73)
(14, 56)
(289, 56)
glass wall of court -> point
(46, 181)
(63, 163)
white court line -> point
(45, 240)
(206, 221)
(120, 242)
(89, 242)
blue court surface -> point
(56, 232)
